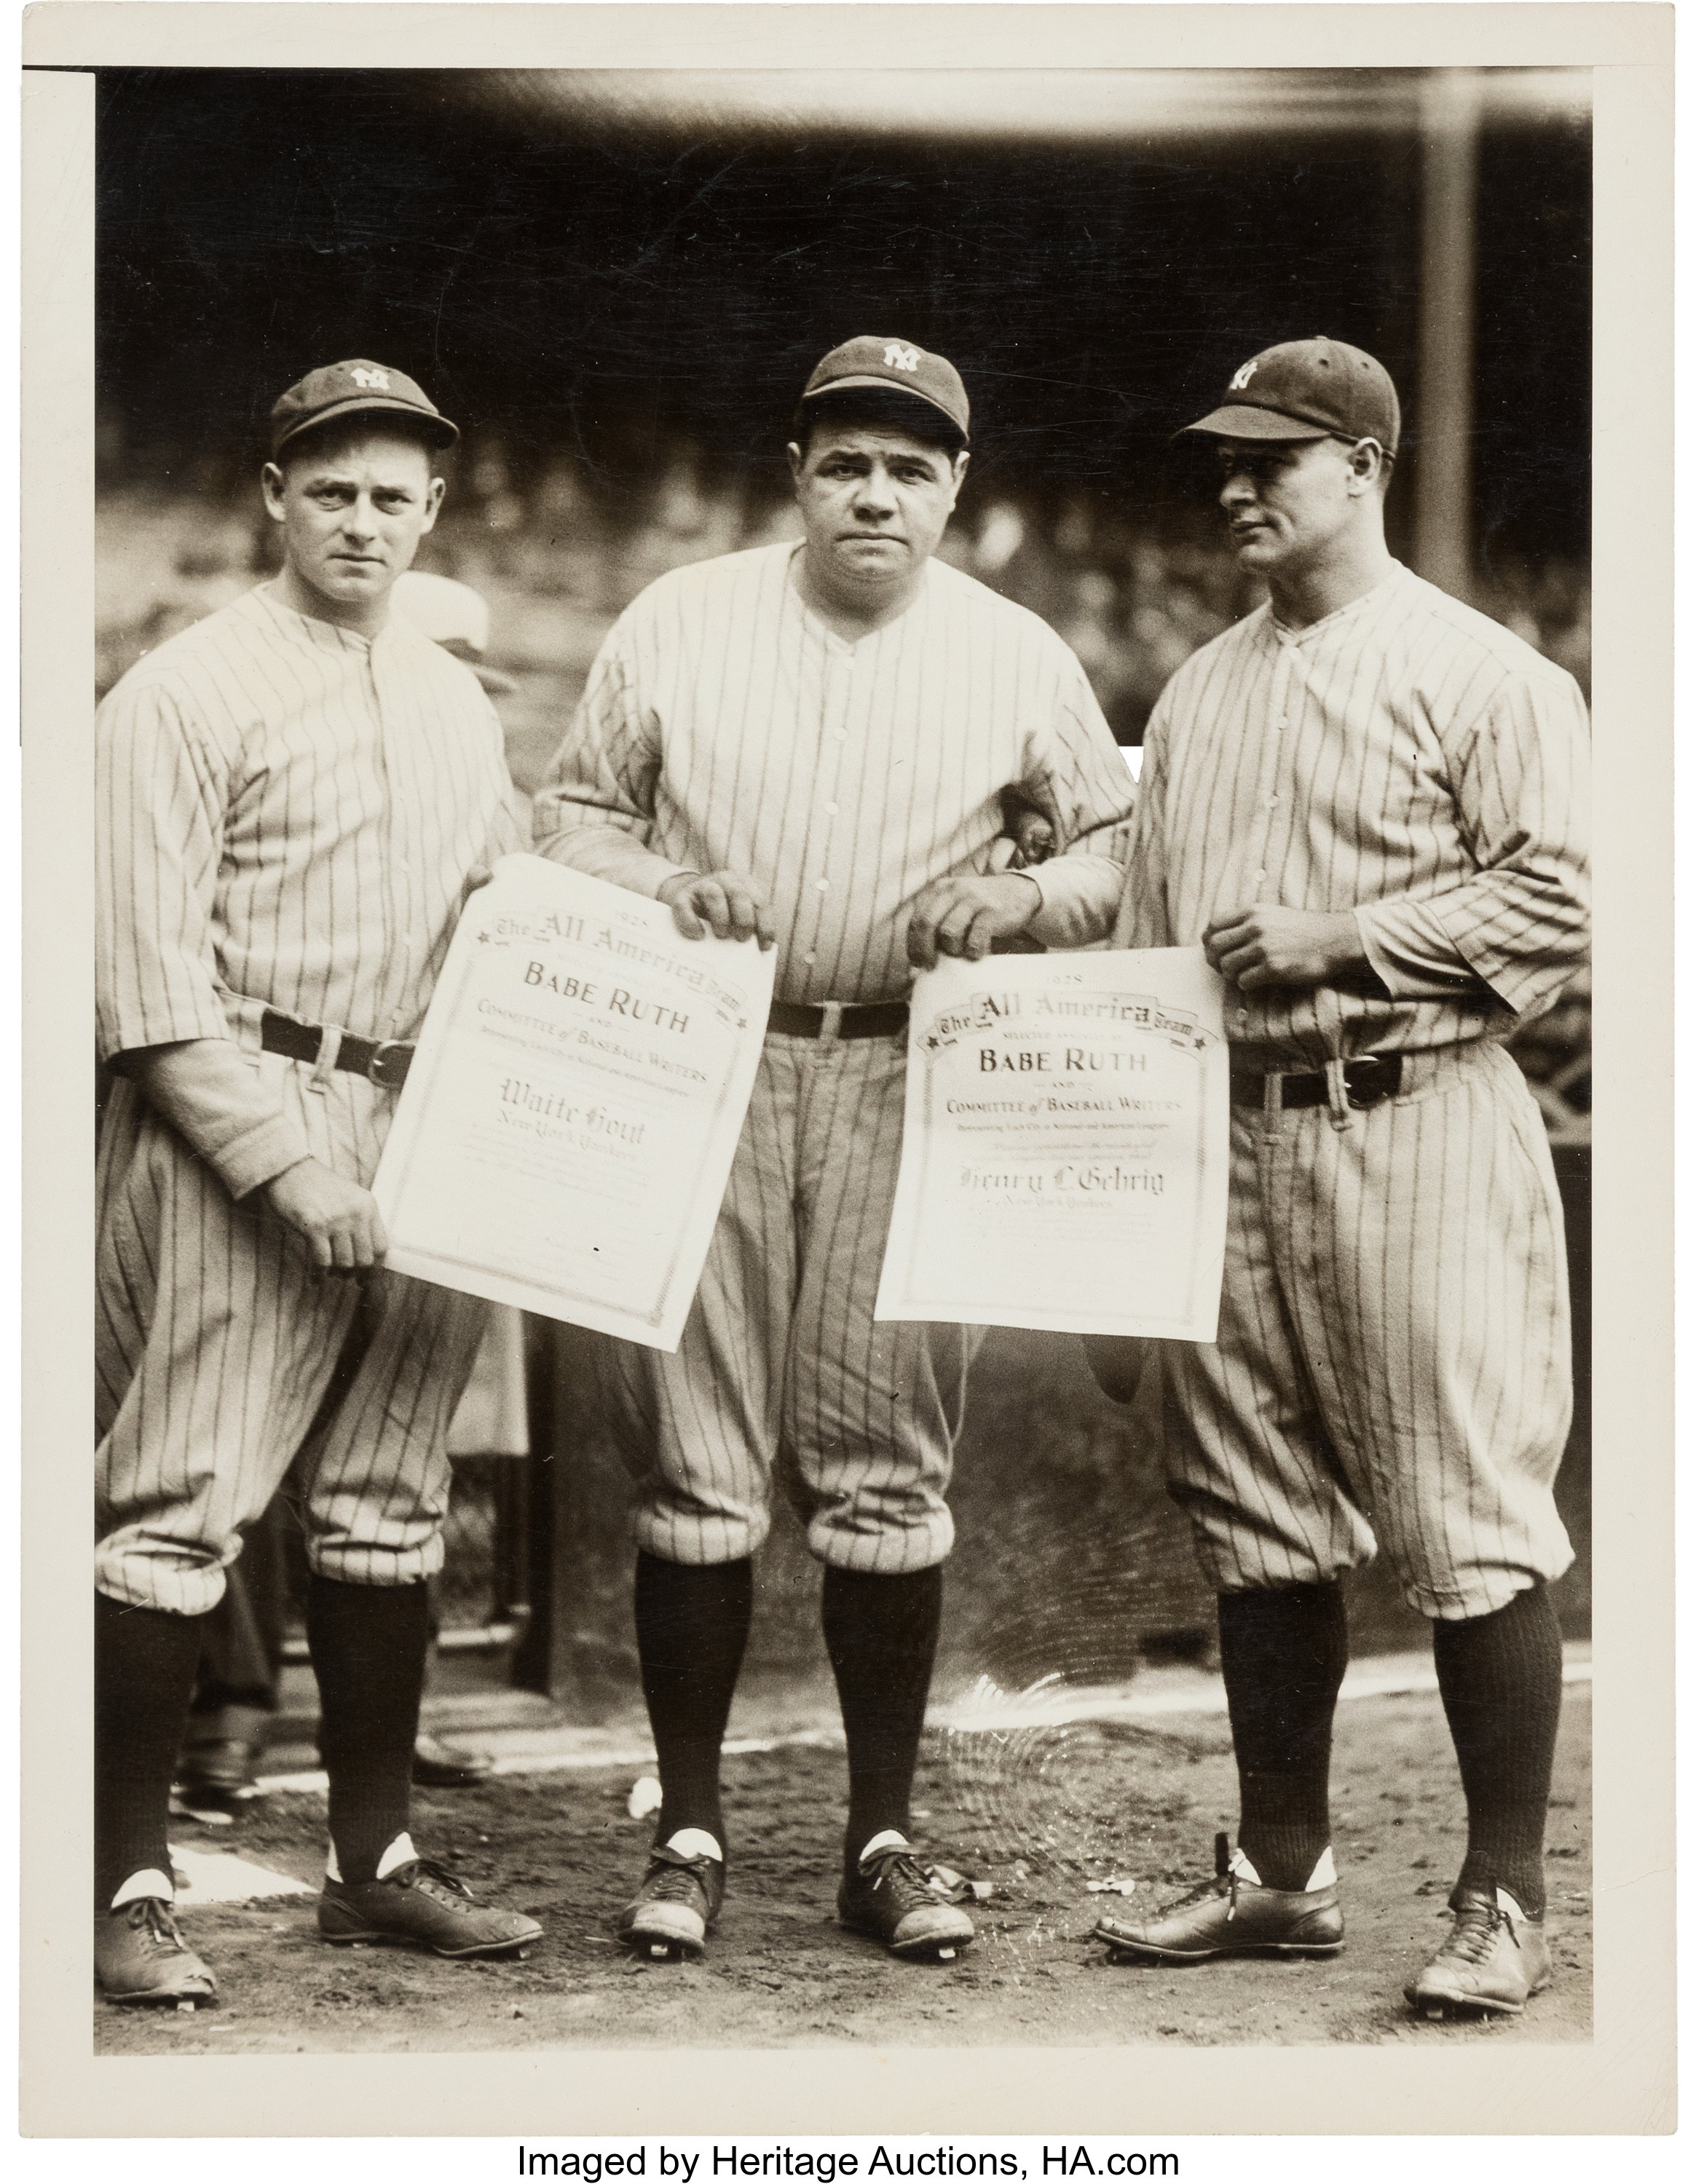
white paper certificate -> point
(568, 1122)
(1066, 1155)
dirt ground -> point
(1038, 1813)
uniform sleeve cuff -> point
(258, 1154)
(174, 1027)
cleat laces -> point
(435, 1881)
(155, 1914)
(897, 1868)
(673, 1878)
(1473, 1933)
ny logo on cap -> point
(1247, 373)
(368, 379)
(903, 357)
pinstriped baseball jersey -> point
(725, 725)
(1394, 1357)
(1407, 758)
(285, 813)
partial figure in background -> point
(811, 743)
(1367, 802)
(292, 799)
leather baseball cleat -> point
(1495, 1958)
(1233, 1915)
(139, 1956)
(423, 1905)
(678, 1901)
(900, 1901)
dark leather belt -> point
(1368, 1079)
(839, 1019)
(385, 1061)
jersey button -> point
(831, 809)
(810, 957)
(821, 885)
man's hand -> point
(724, 900)
(1267, 946)
(339, 1221)
(961, 915)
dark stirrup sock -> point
(1283, 1653)
(144, 1666)
(691, 1629)
(880, 1633)
(1500, 1679)
(367, 1643)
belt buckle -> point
(392, 1054)
(1390, 1066)
(830, 1020)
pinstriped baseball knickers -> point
(781, 1365)
(1394, 1348)
(216, 1342)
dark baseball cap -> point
(347, 390)
(1308, 390)
(881, 360)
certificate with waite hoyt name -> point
(1065, 1158)
(568, 1122)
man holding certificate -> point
(1367, 803)
(293, 799)
(810, 744)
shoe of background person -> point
(1495, 1958)
(893, 1898)
(425, 1905)
(439, 1766)
(216, 1769)
(139, 1956)
(676, 1905)
(1233, 1915)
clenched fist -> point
(339, 1221)
(1267, 946)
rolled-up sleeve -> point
(595, 810)
(1520, 924)
(1078, 774)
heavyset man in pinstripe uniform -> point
(291, 796)
(811, 743)
(1367, 802)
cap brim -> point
(437, 429)
(497, 684)
(1238, 421)
(884, 387)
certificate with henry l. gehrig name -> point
(568, 1122)
(1066, 1155)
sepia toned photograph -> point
(841, 922)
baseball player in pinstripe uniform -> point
(291, 796)
(810, 743)
(1367, 803)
